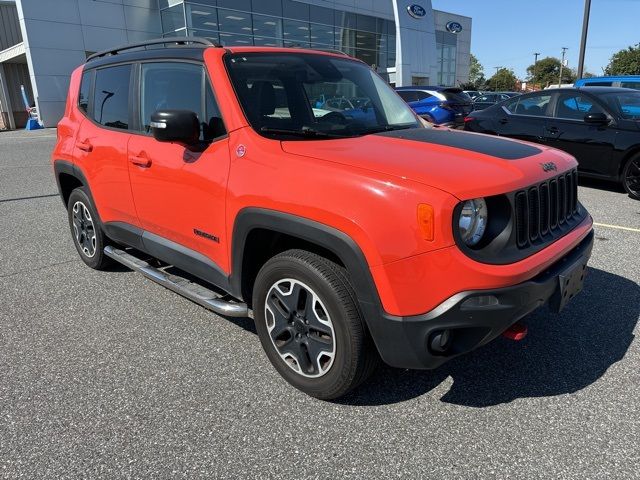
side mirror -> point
(180, 126)
(596, 119)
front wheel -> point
(310, 326)
(631, 177)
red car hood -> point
(467, 165)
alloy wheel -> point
(84, 229)
(300, 328)
(632, 177)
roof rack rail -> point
(156, 41)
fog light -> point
(480, 301)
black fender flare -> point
(68, 168)
(336, 241)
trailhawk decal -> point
(488, 145)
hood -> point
(465, 164)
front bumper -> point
(407, 342)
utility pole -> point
(535, 68)
(564, 51)
(495, 86)
(583, 40)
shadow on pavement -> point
(562, 354)
(608, 185)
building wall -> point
(10, 33)
(463, 44)
(60, 33)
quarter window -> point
(575, 107)
(111, 97)
(85, 86)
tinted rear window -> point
(111, 97)
(85, 86)
(456, 95)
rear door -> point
(524, 117)
(101, 144)
(180, 191)
(592, 145)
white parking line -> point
(617, 227)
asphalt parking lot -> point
(106, 374)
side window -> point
(83, 95)
(212, 127)
(111, 98)
(486, 98)
(598, 84)
(408, 95)
(634, 85)
(170, 86)
(534, 105)
(575, 106)
(423, 95)
(512, 106)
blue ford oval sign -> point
(454, 27)
(416, 11)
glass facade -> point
(446, 54)
(283, 23)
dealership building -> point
(42, 41)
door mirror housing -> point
(596, 119)
(180, 126)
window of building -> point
(264, 26)
(85, 87)
(111, 96)
(172, 18)
(232, 21)
(296, 32)
(201, 17)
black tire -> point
(631, 177)
(90, 247)
(354, 355)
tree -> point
(547, 72)
(503, 80)
(625, 62)
(476, 73)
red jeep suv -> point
(298, 185)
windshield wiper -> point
(385, 128)
(306, 132)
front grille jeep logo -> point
(549, 166)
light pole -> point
(495, 86)
(535, 68)
(564, 50)
(583, 40)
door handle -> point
(553, 130)
(140, 161)
(503, 121)
(84, 146)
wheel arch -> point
(69, 177)
(317, 237)
(628, 155)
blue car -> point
(438, 105)
(624, 81)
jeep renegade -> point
(298, 185)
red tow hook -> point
(516, 332)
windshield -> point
(626, 104)
(309, 95)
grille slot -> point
(544, 208)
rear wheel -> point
(85, 230)
(310, 326)
(631, 177)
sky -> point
(506, 33)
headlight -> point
(473, 221)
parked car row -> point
(438, 105)
(597, 125)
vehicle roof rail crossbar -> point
(156, 41)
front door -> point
(592, 145)
(179, 191)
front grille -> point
(542, 209)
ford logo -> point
(416, 11)
(454, 27)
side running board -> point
(193, 291)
